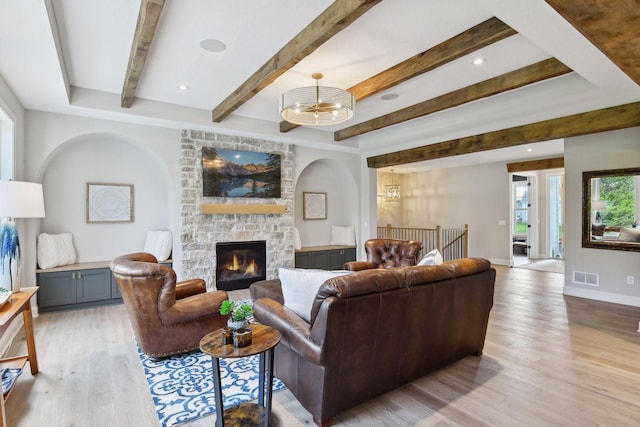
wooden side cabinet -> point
(325, 257)
(19, 302)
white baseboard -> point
(602, 296)
(499, 261)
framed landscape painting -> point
(236, 173)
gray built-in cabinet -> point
(77, 286)
(325, 257)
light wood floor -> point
(549, 360)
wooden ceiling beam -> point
(334, 19)
(536, 165)
(619, 117)
(483, 34)
(613, 26)
(145, 29)
(542, 70)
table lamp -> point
(18, 199)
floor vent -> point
(591, 279)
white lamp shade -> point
(20, 199)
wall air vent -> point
(590, 279)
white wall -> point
(334, 173)
(65, 152)
(330, 177)
(473, 195)
(99, 159)
(607, 150)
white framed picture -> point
(314, 205)
(109, 203)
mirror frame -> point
(586, 212)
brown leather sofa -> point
(387, 253)
(167, 317)
(372, 331)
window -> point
(615, 205)
(520, 207)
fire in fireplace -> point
(239, 264)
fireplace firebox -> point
(239, 264)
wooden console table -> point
(19, 302)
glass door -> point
(521, 219)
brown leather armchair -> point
(387, 253)
(167, 317)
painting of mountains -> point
(235, 173)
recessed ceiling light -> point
(213, 45)
(529, 150)
(478, 61)
(183, 87)
(389, 96)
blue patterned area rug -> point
(181, 386)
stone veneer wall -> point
(199, 233)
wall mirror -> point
(611, 209)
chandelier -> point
(317, 105)
(391, 191)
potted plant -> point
(240, 312)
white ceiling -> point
(70, 56)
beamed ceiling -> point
(552, 68)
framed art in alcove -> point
(314, 205)
(109, 203)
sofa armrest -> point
(190, 287)
(295, 331)
(267, 289)
(359, 265)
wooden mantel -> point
(212, 209)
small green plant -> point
(239, 310)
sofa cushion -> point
(432, 258)
(629, 235)
(300, 286)
(55, 250)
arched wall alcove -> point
(331, 177)
(111, 159)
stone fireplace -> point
(239, 264)
(200, 232)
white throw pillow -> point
(300, 286)
(55, 250)
(432, 258)
(343, 235)
(297, 242)
(158, 244)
